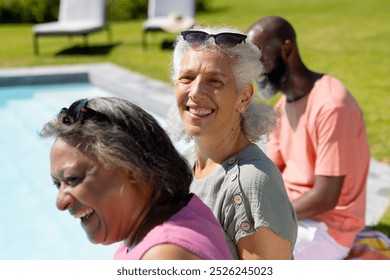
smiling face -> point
(108, 202)
(207, 97)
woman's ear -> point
(133, 177)
(245, 98)
(145, 188)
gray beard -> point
(267, 90)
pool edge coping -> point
(153, 95)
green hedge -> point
(38, 11)
(28, 11)
(119, 10)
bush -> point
(28, 11)
(38, 11)
(119, 10)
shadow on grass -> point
(164, 45)
(167, 45)
(88, 50)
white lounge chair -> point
(170, 16)
(76, 17)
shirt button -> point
(231, 160)
(245, 226)
(233, 177)
(237, 199)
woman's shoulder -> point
(255, 168)
(253, 159)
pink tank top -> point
(193, 228)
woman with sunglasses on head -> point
(117, 171)
(213, 71)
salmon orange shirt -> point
(324, 134)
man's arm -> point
(321, 198)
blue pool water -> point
(31, 227)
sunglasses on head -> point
(225, 40)
(78, 112)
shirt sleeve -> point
(336, 141)
(264, 202)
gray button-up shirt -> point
(247, 192)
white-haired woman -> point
(213, 71)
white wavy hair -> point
(247, 56)
(259, 119)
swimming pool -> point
(31, 225)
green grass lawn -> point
(349, 39)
